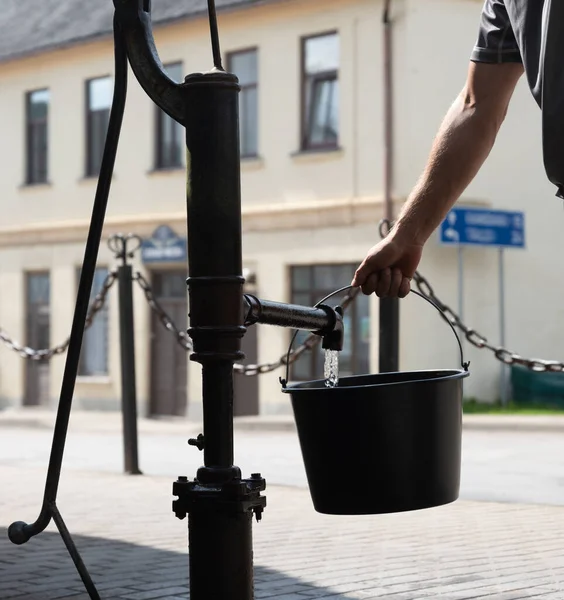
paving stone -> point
(138, 550)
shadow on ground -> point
(43, 570)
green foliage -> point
(473, 406)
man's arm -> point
(463, 143)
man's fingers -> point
(362, 274)
(369, 286)
(397, 278)
(379, 257)
(384, 281)
(405, 287)
(387, 282)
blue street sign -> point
(164, 246)
(483, 227)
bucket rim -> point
(453, 374)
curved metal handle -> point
(465, 365)
(134, 17)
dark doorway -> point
(169, 372)
(245, 389)
(38, 325)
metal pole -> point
(389, 335)
(389, 307)
(503, 373)
(127, 352)
(220, 504)
(21, 532)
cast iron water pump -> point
(219, 503)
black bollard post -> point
(118, 244)
(389, 307)
(389, 335)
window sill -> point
(317, 154)
(252, 163)
(94, 379)
(166, 170)
(86, 179)
(35, 186)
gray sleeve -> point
(496, 40)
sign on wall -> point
(164, 245)
(499, 229)
(483, 227)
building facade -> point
(312, 112)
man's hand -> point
(388, 268)
(464, 141)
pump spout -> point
(334, 339)
(322, 320)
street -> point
(501, 541)
(502, 466)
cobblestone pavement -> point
(516, 466)
(136, 549)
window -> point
(320, 92)
(244, 64)
(37, 111)
(170, 134)
(98, 102)
(94, 353)
(309, 285)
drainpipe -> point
(388, 112)
(389, 307)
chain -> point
(477, 339)
(182, 338)
(48, 353)
(249, 370)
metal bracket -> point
(232, 497)
(197, 442)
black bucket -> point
(381, 443)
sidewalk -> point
(90, 421)
(136, 550)
(537, 423)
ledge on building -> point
(252, 162)
(35, 186)
(166, 170)
(89, 179)
(93, 380)
(317, 154)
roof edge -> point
(242, 5)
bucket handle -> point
(465, 365)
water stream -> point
(331, 370)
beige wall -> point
(297, 209)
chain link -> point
(182, 338)
(46, 354)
